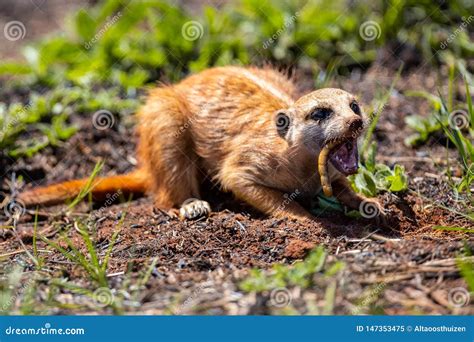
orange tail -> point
(131, 183)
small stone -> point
(297, 249)
(181, 264)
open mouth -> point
(345, 157)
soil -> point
(39, 17)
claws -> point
(373, 209)
(193, 209)
(381, 216)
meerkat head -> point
(323, 116)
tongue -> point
(345, 157)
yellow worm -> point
(323, 168)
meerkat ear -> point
(282, 122)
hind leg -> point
(166, 151)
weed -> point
(304, 274)
(88, 186)
(95, 268)
(456, 126)
(91, 263)
(466, 269)
(373, 177)
(375, 117)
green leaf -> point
(14, 69)
(85, 25)
(415, 122)
(454, 229)
(370, 161)
(365, 183)
(398, 180)
(413, 140)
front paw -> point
(373, 209)
(193, 209)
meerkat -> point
(247, 130)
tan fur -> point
(221, 123)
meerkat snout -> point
(355, 124)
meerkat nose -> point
(356, 124)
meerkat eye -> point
(320, 113)
(355, 107)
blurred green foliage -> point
(117, 47)
(312, 272)
(301, 273)
(451, 121)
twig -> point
(366, 237)
(115, 274)
(448, 262)
(396, 159)
(383, 238)
(20, 251)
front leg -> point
(368, 207)
(269, 201)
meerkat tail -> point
(131, 183)
(323, 168)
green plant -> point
(465, 148)
(367, 141)
(455, 229)
(466, 268)
(465, 265)
(425, 127)
(373, 177)
(90, 262)
(380, 178)
(300, 274)
(88, 186)
(441, 117)
(314, 272)
(456, 125)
